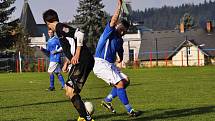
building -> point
(38, 33)
(195, 47)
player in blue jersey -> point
(78, 54)
(109, 46)
(54, 49)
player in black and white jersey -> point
(79, 56)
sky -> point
(67, 8)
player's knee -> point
(124, 83)
(127, 83)
(69, 92)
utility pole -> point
(129, 55)
(187, 44)
(156, 47)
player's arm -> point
(120, 52)
(115, 17)
(80, 38)
(119, 57)
(58, 49)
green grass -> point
(163, 94)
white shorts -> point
(108, 71)
(54, 67)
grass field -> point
(163, 94)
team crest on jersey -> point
(65, 29)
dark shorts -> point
(78, 75)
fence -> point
(31, 64)
(184, 57)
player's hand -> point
(65, 68)
(75, 60)
(119, 64)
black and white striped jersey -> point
(69, 43)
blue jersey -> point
(109, 44)
(53, 45)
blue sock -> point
(121, 92)
(112, 95)
(51, 80)
(60, 77)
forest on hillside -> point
(168, 17)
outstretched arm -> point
(115, 17)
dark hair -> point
(50, 16)
(125, 23)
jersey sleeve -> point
(79, 36)
(63, 31)
(103, 38)
(107, 32)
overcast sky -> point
(67, 8)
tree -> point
(6, 29)
(188, 21)
(22, 40)
(91, 19)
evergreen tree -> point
(91, 19)
(6, 29)
(167, 17)
(188, 21)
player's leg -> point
(75, 98)
(121, 93)
(121, 81)
(77, 78)
(60, 76)
(51, 70)
(51, 80)
(111, 95)
(61, 79)
(107, 101)
(102, 69)
(113, 92)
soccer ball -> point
(89, 107)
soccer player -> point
(54, 49)
(78, 54)
(111, 44)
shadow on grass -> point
(109, 116)
(16, 90)
(174, 114)
(43, 103)
(21, 119)
(105, 116)
(108, 86)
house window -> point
(189, 50)
(131, 54)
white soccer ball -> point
(89, 107)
